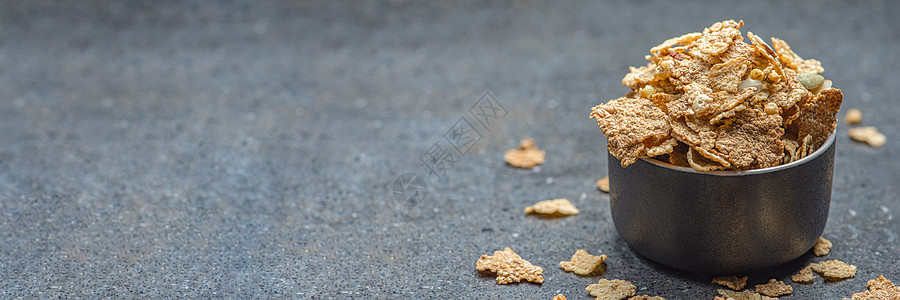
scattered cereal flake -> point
(804, 276)
(879, 289)
(527, 155)
(853, 116)
(603, 184)
(611, 289)
(774, 288)
(633, 127)
(822, 247)
(818, 115)
(794, 61)
(868, 135)
(834, 269)
(731, 281)
(510, 267)
(646, 297)
(559, 297)
(742, 295)
(556, 207)
(583, 263)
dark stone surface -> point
(244, 149)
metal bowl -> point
(722, 222)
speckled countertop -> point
(242, 150)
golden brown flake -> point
(583, 263)
(774, 288)
(853, 116)
(878, 289)
(868, 135)
(554, 208)
(818, 115)
(804, 276)
(834, 269)
(603, 184)
(510, 267)
(527, 155)
(646, 297)
(742, 295)
(794, 61)
(822, 247)
(731, 281)
(634, 127)
(559, 297)
(611, 289)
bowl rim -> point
(828, 143)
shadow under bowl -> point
(722, 222)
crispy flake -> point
(719, 36)
(611, 289)
(774, 288)
(633, 127)
(510, 267)
(822, 247)
(731, 281)
(583, 263)
(603, 184)
(752, 141)
(557, 208)
(527, 155)
(805, 276)
(559, 297)
(742, 295)
(853, 116)
(878, 289)
(727, 75)
(868, 135)
(818, 115)
(834, 269)
(794, 61)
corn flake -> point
(774, 288)
(633, 126)
(834, 269)
(559, 297)
(853, 116)
(510, 267)
(603, 184)
(794, 61)
(731, 281)
(880, 289)
(742, 295)
(556, 208)
(818, 115)
(611, 289)
(527, 155)
(822, 247)
(868, 135)
(805, 276)
(583, 263)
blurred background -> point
(248, 149)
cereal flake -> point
(634, 127)
(646, 297)
(742, 295)
(834, 269)
(805, 276)
(611, 289)
(774, 288)
(853, 116)
(510, 267)
(794, 61)
(527, 155)
(556, 207)
(603, 184)
(878, 289)
(822, 247)
(583, 263)
(559, 297)
(731, 281)
(868, 135)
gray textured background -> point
(243, 149)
